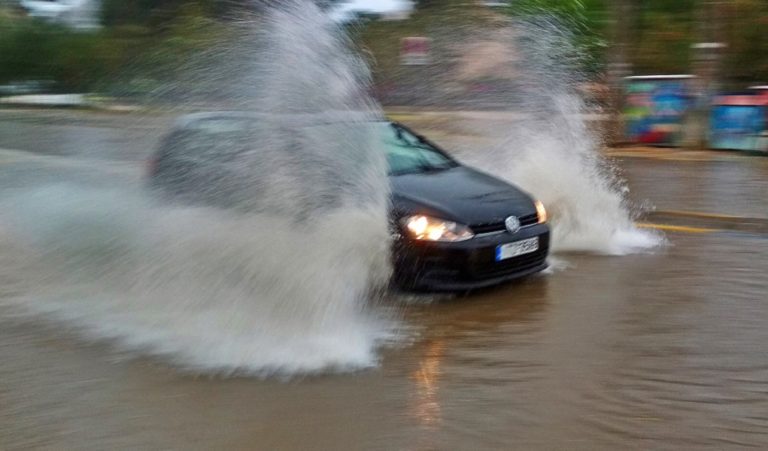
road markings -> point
(676, 228)
(696, 214)
(710, 221)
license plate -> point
(509, 250)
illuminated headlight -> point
(541, 212)
(426, 228)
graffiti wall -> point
(739, 122)
(655, 107)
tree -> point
(426, 4)
(329, 4)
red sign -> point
(414, 51)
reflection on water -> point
(664, 351)
(426, 403)
(661, 352)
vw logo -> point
(512, 224)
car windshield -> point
(408, 153)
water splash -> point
(248, 290)
(209, 291)
(78, 14)
(552, 152)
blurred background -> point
(704, 62)
(129, 322)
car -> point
(454, 227)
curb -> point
(66, 101)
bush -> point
(36, 50)
(110, 59)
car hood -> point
(459, 194)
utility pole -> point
(622, 12)
(707, 54)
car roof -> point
(297, 120)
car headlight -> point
(541, 212)
(426, 228)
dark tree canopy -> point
(424, 4)
(157, 12)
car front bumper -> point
(467, 265)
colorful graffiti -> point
(655, 107)
(739, 122)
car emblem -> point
(512, 224)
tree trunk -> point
(707, 53)
(618, 66)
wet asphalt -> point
(661, 350)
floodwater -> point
(661, 350)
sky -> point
(374, 5)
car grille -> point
(525, 221)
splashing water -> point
(552, 153)
(257, 291)
(78, 14)
(84, 15)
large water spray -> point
(552, 151)
(78, 14)
(284, 285)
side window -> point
(175, 145)
(208, 142)
(407, 153)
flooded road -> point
(664, 350)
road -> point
(660, 350)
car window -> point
(212, 139)
(407, 153)
(222, 139)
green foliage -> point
(156, 14)
(327, 4)
(567, 10)
(662, 32)
(746, 58)
(665, 46)
(113, 58)
(39, 51)
(586, 20)
(426, 4)
(145, 42)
